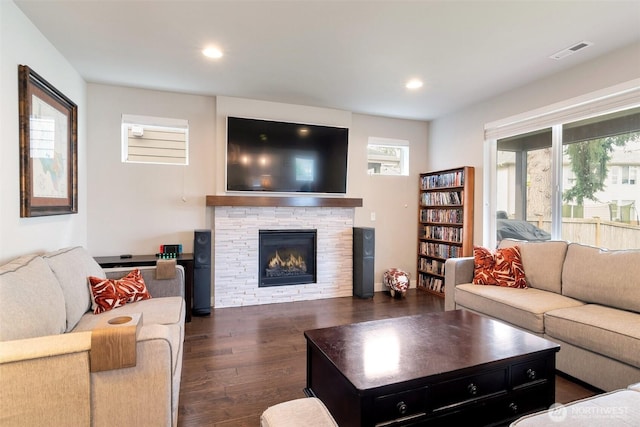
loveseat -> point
(584, 298)
(46, 327)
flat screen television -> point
(265, 155)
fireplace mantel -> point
(262, 201)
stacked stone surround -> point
(235, 246)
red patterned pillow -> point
(502, 267)
(108, 294)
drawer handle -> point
(531, 374)
(472, 389)
(513, 407)
(402, 408)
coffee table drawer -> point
(400, 405)
(485, 412)
(529, 372)
(468, 388)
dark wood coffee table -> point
(448, 368)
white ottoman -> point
(307, 412)
(617, 408)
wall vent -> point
(571, 50)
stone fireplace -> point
(236, 240)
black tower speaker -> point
(364, 244)
(202, 273)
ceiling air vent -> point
(571, 50)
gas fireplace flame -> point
(291, 264)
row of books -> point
(440, 250)
(431, 266)
(453, 216)
(451, 179)
(438, 232)
(441, 198)
(430, 282)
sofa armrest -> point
(149, 391)
(456, 272)
(47, 381)
(157, 287)
(42, 347)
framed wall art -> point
(48, 148)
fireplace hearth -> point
(287, 257)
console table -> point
(185, 260)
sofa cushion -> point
(521, 307)
(31, 300)
(542, 262)
(603, 277)
(166, 311)
(158, 311)
(604, 330)
(72, 267)
(502, 267)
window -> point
(629, 174)
(387, 156)
(572, 180)
(155, 140)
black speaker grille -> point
(202, 248)
(202, 272)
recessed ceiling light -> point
(414, 84)
(212, 52)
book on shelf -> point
(435, 284)
(453, 216)
(440, 250)
(442, 198)
(443, 180)
(437, 232)
(431, 266)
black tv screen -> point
(264, 155)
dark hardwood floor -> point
(239, 361)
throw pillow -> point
(108, 294)
(502, 267)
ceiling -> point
(349, 55)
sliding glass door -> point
(576, 181)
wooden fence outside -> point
(597, 232)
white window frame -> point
(620, 97)
(391, 143)
(176, 152)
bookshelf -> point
(445, 223)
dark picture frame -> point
(48, 148)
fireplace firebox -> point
(287, 257)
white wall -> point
(22, 43)
(393, 199)
(134, 208)
(458, 138)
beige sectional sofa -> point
(582, 297)
(46, 343)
